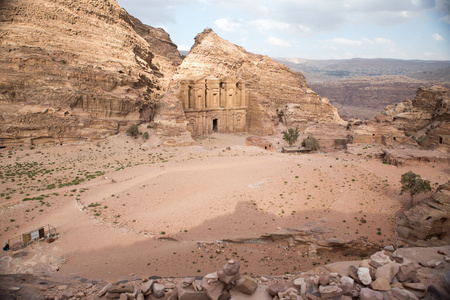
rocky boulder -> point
(426, 118)
(429, 218)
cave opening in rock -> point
(215, 127)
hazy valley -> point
(128, 171)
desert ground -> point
(124, 205)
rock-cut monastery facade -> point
(214, 105)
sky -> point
(309, 29)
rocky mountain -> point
(427, 219)
(365, 97)
(335, 69)
(77, 70)
(422, 122)
(426, 118)
(276, 93)
(363, 87)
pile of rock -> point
(386, 275)
(215, 285)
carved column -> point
(243, 93)
(185, 94)
(192, 95)
(199, 88)
(212, 93)
(223, 98)
(230, 92)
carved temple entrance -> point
(214, 105)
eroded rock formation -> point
(275, 92)
(426, 118)
(423, 121)
(378, 130)
(430, 218)
(76, 70)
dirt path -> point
(162, 211)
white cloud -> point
(337, 23)
(363, 42)
(304, 29)
(347, 42)
(367, 48)
(152, 12)
(268, 25)
(184, 48)
(437, 37)
(166, 29)
(445, 19)
(227, 25)
(274, 41)
(380, 41)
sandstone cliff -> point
(76, 70)
(426, 118)
(166, 56)
(276, 93)
(429, 218)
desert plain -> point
(133, 206)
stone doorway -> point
(215, 126)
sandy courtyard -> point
(123, 206)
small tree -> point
(414, 184)
(133, 131)
(291, 135)
(311, 143)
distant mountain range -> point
(335, 69)
(363, 87)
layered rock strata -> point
(372, 92)
(426, 118)
(275, 93)
(75, 71)
(411, 155)
(430, 218)
(378, 130)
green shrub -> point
(133, 130)
(311, 143)
(414, 184)
(145, 136)
(291, 135)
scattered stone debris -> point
(380, 277)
